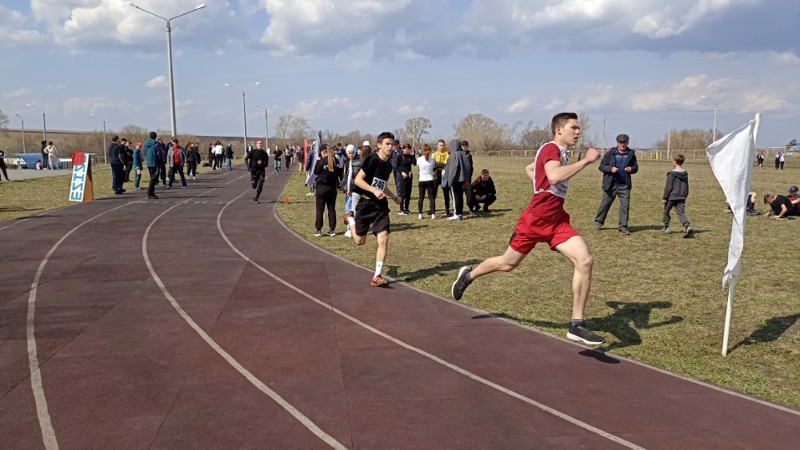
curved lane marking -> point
(48, 434)
(421, 352)
(311, 426)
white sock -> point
(378, 268)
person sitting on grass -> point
(483, 191)
(781, 206)
(751, 205)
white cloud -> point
(85, 105)
(786, 58)
(519, 106)
(17, 29)
(18, 93)
(321, 109)
(157, 82)
(364, 114)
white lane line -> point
(311, 426)
(421, 352)
(14, 223)
(48, 434)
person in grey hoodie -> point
(457, 172)
(676, 191)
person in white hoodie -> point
(426, 184)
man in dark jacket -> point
(457, 172)
(617, 165)
(152, 156)
(483, 191)
(257, 161)
(468, 189)
(116, 158)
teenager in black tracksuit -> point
(407, 178)
(257, 161)
(328, 176)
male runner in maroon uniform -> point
(546, 221)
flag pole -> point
(728, 313)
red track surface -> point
(121, 368)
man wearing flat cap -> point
(617, 165)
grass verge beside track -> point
(657, 298)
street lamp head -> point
(257, 83)
(132, 4)
(200, 6)
(227, 85)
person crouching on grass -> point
(546, 221)
(372, 210)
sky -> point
(635, 66)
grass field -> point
(657, 298)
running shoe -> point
(461, 284)
(579, 333)
(379, 281)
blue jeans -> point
(228, 163)
(348, 203)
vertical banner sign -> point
(81, 189)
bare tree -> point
(688, 139)
(586, 124)
(133, 133)
(534, 137)
(282, 127)
(298, 128)
(416, 128)
(484, 133)
(3, 119)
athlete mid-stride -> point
(372, 210)
(546, 221)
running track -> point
(200, 321)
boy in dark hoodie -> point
(676, 191)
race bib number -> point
(560, 189)
(379, 184)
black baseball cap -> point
(623, 138)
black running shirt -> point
(376, 174)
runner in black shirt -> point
(257, 161)
(372, 210)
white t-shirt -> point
(425, 168)
(218, 149)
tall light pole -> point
(44, 121)
(105, 160)
(244, 111)
(716, 105)
(23, 133)
(266, 126)
(169, 57)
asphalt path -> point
(200, 321)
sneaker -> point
(688, 231)
(348, 234)
(665, 230)
(138, 188)
(152, 197)
(580, 333)
(433, 216)
(346, 217)
(461, 284)
(402, 213)
(309, 194)
(378, 281)
(255, 200)
(318, 234)
(331, 233)
(598, 225)
(625, 231)
(454, 217)
(419, 217)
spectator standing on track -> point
(277, 159)
(177, 159)
(440, 157)
(426, 184)
(328, 175)
(152, 155)
(617, 165)
(116, 157)
(228, 156)
(372, 210)
(128, 160)
(193, 159)
(258, 162)
(162, 169)
(676, 190)
(136, 163)
(546, 221)
(483, 191)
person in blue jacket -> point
(154, 158)
(617, 165)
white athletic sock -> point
(351, 221)
(378, 268)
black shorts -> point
(370, 214)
